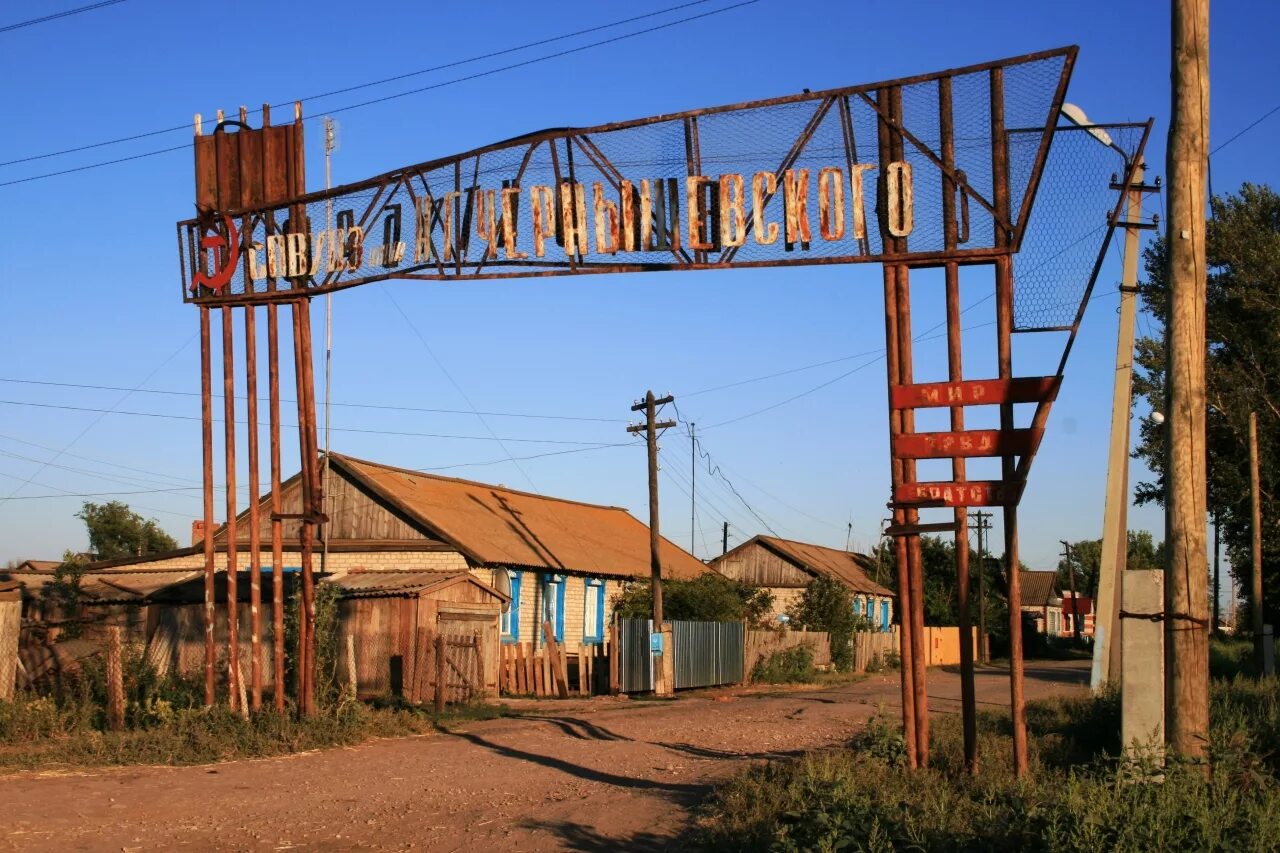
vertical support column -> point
(905, 373)
(277, 524)
(255, 530)
(206, 442)
(229, 423)
(310, 498)
(890, 273)
(955, 367)
(1004, 331)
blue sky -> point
(89, 290)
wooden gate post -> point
(439, 674)
(115, 681)
(10, 627)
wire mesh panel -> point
(635, 661)
(804, 179)
(708, 654)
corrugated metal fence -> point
(635, 660)
(708, 653)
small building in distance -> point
(1047, 609)
(785, 568)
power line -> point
(55, 16)
(167, 416)
(421, 89)
(1255, 123)
(378, 406)
(454, 64)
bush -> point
(827, 605)
(710, 597)
(786, 666)
(1079, 796)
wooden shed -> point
(394, 618)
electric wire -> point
(419, 90)
(187, 126)
(58, 15)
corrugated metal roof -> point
(498, 526)
(1036, 588)
(110, 587)
(365, 584)
(844, 566)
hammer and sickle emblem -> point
(226, 253)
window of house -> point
(553, 603)
(511, 618)
(593, 611)
(884, 616)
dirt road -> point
(603, 774)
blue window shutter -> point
(884, 616)
(600, 611)
(513, 628)
(560, 584)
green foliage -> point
(330, 691)
(827, 605)
(1086, 558)
(1242, 369)
(786, 666)
(1230, 657)
(63, 592)
(1076, 798)
(710, 597)
(938, 560)
(116, 531)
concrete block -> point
(1142, 668)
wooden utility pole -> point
(724, 543)
(650, 427)
(1256, 506)
(982, 526)
(1186, 595)
(1071, 573)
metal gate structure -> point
(635, 655)
(936, 173)
(708, 654)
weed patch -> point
(1079, 796)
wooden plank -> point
(975, 392)
(556, 656)
(968, 443)
(975, 493)
(539, 679)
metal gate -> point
(635, 658)
(708, 653)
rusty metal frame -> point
(1014, 446)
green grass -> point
(786, 666)
(1078, 796)
(165, 723)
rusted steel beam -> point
(970, 493)
(229, 433)
(307, 446)
(975, 392)
(255, 531)
(966, 443)
(560, 133)
(917, 529)
(907, 638)
(277, 526)
(206, 445)
(1004, 330)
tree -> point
(1242, 374)
(710, 597)
(827, 605)
(63, 592)
(1086, 558)
(116, 531)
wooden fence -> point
(761, 644)
(873, 646)
(529, 672)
